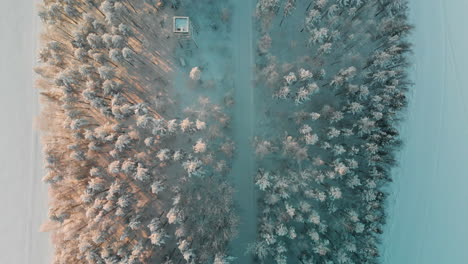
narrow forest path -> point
(243, 169)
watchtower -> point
(184, 30)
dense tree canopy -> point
(334, 103)
(130, 172)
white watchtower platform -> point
(183, 29)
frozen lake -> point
(428, 218)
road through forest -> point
(243, 169)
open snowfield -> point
(23, 194)
(428, 217)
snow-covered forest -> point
(333, 78)
(131, 168)
(139, 143)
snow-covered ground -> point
(428, 215)
(23, 194)
(227, 58)
(243, 169)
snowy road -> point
(243, 169)
(428, 215)
(23, 194)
